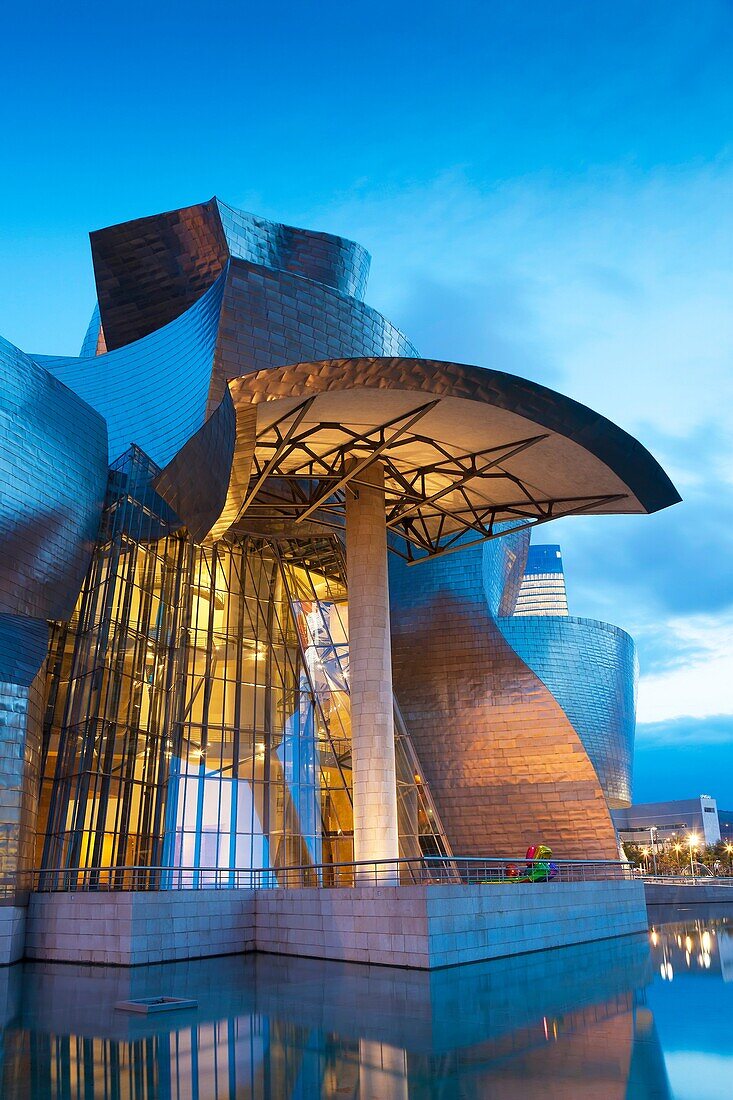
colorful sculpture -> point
(539, 867)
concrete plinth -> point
(12, 933)
(370, 661)
(421, 927)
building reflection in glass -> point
(569, 1023)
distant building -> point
(542, 591)
(676, 818)
(725, 820)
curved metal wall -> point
(151, 270)
(504, 764)
(333, 261)
(591, 669)
(273, 318)
(153, 392)
(53, 467)
(53, 471)
(284, 296)
(91, 342)
(589, 666)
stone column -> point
(370, 662)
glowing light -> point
(655, 939)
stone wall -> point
(127, 929)
(702, 893)
(12, 933)
(410, 926)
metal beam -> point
(300, 411)
(514, 449)
(416, 415)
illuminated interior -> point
(198, 707)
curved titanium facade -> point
(53, 466)
(152, 393)
(188, 303)
(336, 262)
(149, 271)
(198, 692)
(504, 763)
(590, 667)
(272, 318)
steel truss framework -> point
(301, 471)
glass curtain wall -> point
(198, 706)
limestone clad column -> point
(370, 663)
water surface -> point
(634, 1017)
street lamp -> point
(692, 840)
(653, 845)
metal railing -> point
(421, 870)
(688, 880)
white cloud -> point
(626, 278)
(699, 683)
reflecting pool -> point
(641, 1016)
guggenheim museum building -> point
(267, 597)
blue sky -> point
(545, 188)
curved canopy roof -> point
(464, 449)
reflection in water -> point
(692, 999)
(563, 1024)
(695, 944)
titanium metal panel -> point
(273, 318)
(505, 766)
(152, 393)
(590, 667)
(93, 343)
(336, 262)
(53, 469)
(150, 271)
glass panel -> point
(198, 705)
